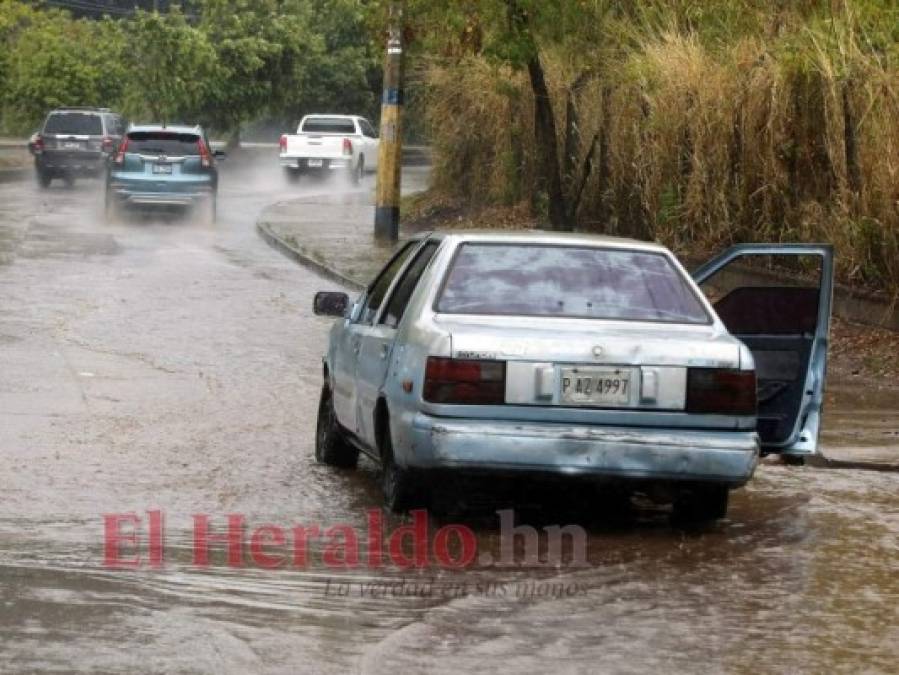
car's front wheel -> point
(701, 504)
(331, 445)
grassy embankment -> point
(783, 127)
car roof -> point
(80, 109)
(174, 128)
(328, 116)
(543, 237)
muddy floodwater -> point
(165, 365)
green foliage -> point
(239, 60)
(171, 67)
(51, 60)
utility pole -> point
(390, 150)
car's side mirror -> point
(220, 155)
(330, 303)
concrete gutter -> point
(265, 231)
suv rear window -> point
(75, 123)
(329, 125)
(163, 143)
(568, 281)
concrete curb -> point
(300, 257)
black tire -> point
(358, 172)
(701, 504)
(292, 175)
(209, 211)
(44, 178)
(69, 180)
(403, 490)
(331, 445)
(792, 460)
(111, 211)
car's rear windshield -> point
(75, 123)
(328, 125)
(568, 281)
(166, 143)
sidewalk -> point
(334, 233)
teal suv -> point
(163, 167)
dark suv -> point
(76, 142)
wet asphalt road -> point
(176, 366)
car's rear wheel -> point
(69, 180)
(401, 488)
(358, 172)
(111, 210)
(208, 211)
(701, 504)
(331, 445)
(292, 175)
(44, 177)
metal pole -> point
(390, 151)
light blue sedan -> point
(577, 357)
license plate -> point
(595, 386)
(162, 168)
(71, 145)
(314, 163)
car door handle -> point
(384, 351)
(356, 345)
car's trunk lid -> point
(587, 363)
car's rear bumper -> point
(604, 452)
(73, 162)
(136, 196)
(327, 163)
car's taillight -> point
(38, 144)
(205, 157)
(465, 381)
(347, 147)
(120, 155)
(282, 143)
(108, 145)
(721, 391)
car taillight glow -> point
(282, 143)
(120, 155)
(38, 144)
(205, 157)
(108, 145)
(465, 381)
(721, 391)
(347, 147)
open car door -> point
(777, 299)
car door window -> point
(381, 285)
(396, 306)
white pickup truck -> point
(328, 143)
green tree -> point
(52, 60)
(172, 67)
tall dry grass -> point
(786, 137)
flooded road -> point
(173, 366)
